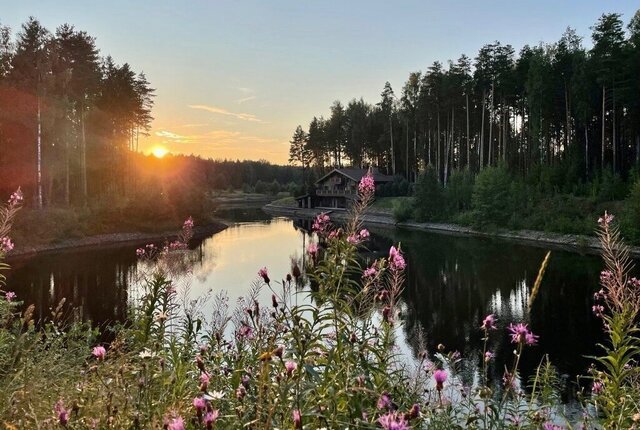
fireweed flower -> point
(489, 322)
(263, 274)
(384, 401)
(393, 421)
(370, 272)
(16, 198)
(353, 239)
(488, 356)
(363, 234)
(188, 223)
(312, 249)
(367, 186)
(605, 219)
(10, 296)
(396, 260)
(61, 413)
(597, 310)
(440, 376)
(597, 387)
(520, 334)
(321, 223)
(99, 352)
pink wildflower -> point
(204, 381)
(61, 412)
(370, 272)
(321, 223)
(396, 260)
(99, 352)
(367, 186)
(489, 322)
(176, 423)
(364, 234)
(264, 275)
(188, 223)
(440, 376)
(605, 219)
(16, 198)
(393, 421)
(353, 239)
(312, 249)
(488, 356)
(10, 296)
(140, 252)
(291, 366)
(520, 334)
(384, 401)
(551, 426)
(597, 387)
(199, 403)
(297, 418)
(5, 245)
(597, 310)
(414, 412)
(210, 418)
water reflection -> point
(452, 283)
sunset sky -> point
(234, 78)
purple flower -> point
(245, 332)
(188, 223)
(291, 366)
(414, 412)
(353, 239)
(364, 234)
(312, 249)
(370, 272)
(321, 223)
(393, 421)
(211, 417)
(488, 356)
(176, 423)
(241, 392)
(263, 274)
(396, 260)
(597, 387)
(598, 310)
(440, 376)
(520, 334)
(10, 296)
(199, 403)
(61, 412)
(551, 426)
(367, 186)
(297, 418)
(16, 198)
(384, 401)
(489, 322)
(5, 245)
(99, 352)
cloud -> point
(221, 111)
(245, 90)
(168, 135)
(245, 99)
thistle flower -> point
(384, 401)
(414, 412)
(489, 322)
(367, 186)
(297, 418)
(176, 423)
(210, 418)
(61, 412)
(10, 296)
(274, 301)
(263, 274)
(290, 366)
(520, 334)
(99, 352)
(199, 403)
(204, 381)
(393, 421)
(440, 376)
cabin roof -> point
(357, 174)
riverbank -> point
(383, 217)
(113, 240)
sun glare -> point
(159, 151)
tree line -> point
(554, 104)
(70, 118)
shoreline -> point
(567, 242)
(112, 240)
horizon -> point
(240, 96)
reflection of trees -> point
(453, 282)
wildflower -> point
(393, 421)
(363, 234)
(295, 271)
(274, 301)
(188, 223)
(61, 412)
(440, 376)
(551, 426)
(245, 332)
(414, 412)
(597, 310)
(199, 403)
(210, 418)
(297, 418)
(321, 223)
(99, 352)
(520, 334)
(10, 296)
(5, 245)
(140, 252)
(488, 356)
(597, 387)
(605, 219)
(387, 314)
(279, 351)
(396, 260)
(241, 392)
(176, 423)
(291, 366)
(508, 380)
(204, 381)
(312, 249)
(367, 186)
(353, 239)
(384, 401)
(263, 273)
(370, 272)
(489, 322)
(16, 198)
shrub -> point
(402, 210)
(492, 197)
(429, 203)
(459, 191)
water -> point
(452, 283)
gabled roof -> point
(356, 174)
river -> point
(452, 283)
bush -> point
(429, 203)
(459, 191)
(630, 217)
(402, 210)
(492, 197)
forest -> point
(552, 104)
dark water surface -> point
(452, 283)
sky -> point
(234, 78)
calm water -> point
(452, 283)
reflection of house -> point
(339, 188)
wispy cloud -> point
(245, 90)
(168, 135)
(245, 99)
(221, 111)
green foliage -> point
(630, 218)
(492, 197)
(459, 191)
(402, 210)
(430, 203)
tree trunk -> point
(481, 146)
(602, 148)
(468, 137)
(393, 157)
(491, 128)
(613, 138)
(438, 157)
(39, 156)
(567, 115)
(586, 150)
(83, 156)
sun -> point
(159, 151)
